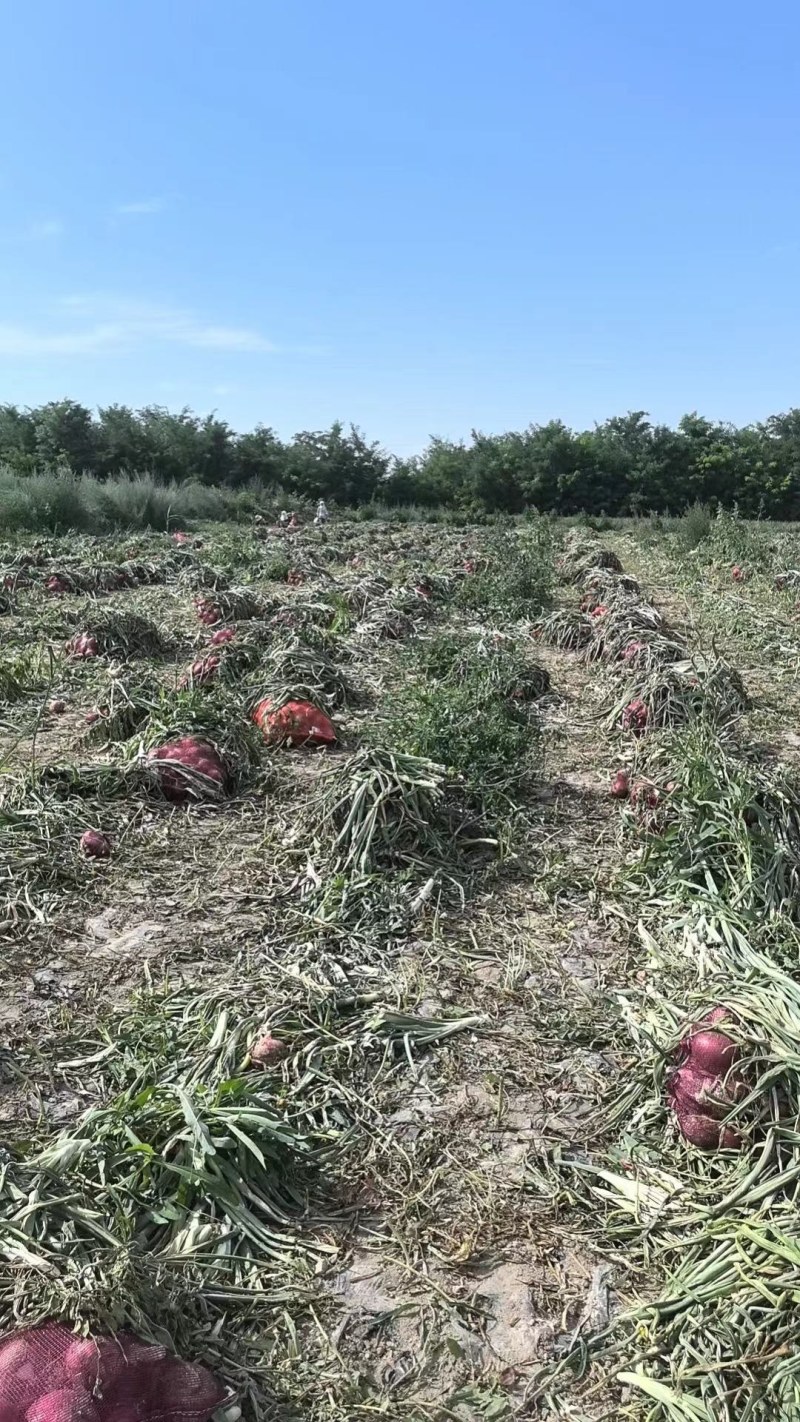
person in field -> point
(322, 515)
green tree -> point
(330, 464)
(64, 430)
(258, 456)
(121, 443)
(17, 438)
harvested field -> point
(363, 1068)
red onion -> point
(267, 1050)
(95, 845)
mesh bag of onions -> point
(48, 1374)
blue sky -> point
(423, 217)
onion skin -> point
(83, 645)
(49, 1375)
(706, 1133)
(207, 611)
(69, 1404)
(712, 1051)
(695, 1090)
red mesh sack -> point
(297, 723)
(47, 1374)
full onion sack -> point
(296, 723)
(48, 1374)
(189, 768)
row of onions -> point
(701, 1233)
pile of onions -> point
(634, 717)
(200, 673)
(704, 1086)
(620, 786)
(188, 767)
(83, 644)
(207, 611)
(47, 1374)
(222, 636)
(56, 584)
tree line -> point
(625, 465)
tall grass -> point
(56, 500)
(52, 502)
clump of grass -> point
(192, 1162)
(733, 540)
(493, 662)
(297, 671)
(728, 836)
(695, 526)
(720, 1224)
(199, 576)
(120, 633)
(217, 717)
(678, 692)
(492, 742)
(360, 596)
(144, 574)
(124, 710)
(566, 628)
(304, 618)
(582, 556)
(274, 567)
(241, 604)
(23, 672)
(517, 578)
(384, 808)
(384, 621)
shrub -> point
(493, 743)
(518, 577)
(695, 526)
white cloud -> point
(140, 209)
(49, 227)
(91, 325)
